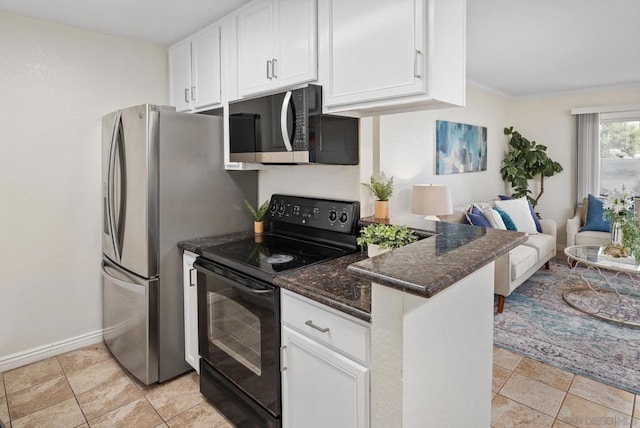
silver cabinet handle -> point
(193, 93)
(274, 64)
(320, 329)
(283, 356)
(415, 64)
(269, 69)
(191, 281)
(186, 95)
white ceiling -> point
(519, 48)
(527, 48)
(157, 21)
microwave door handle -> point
(110, 184)
(283, 121)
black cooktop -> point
(301, 231)
(268, 254)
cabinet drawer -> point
(341, 332)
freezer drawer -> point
(130, 321)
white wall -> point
(56, 83)
(548, 121)
(322, 181)
(407, 150)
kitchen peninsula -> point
(429, 306)
(432, 325)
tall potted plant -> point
(526, 160)
(382, 189)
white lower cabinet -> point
(190, 284)
(325, 374)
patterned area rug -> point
(536, 322)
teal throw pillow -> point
(595, 222)
(508, 222)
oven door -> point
(239, 331)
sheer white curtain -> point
(588, 155)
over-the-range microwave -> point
(289, 127)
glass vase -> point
(616, 234)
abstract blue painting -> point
(460, 148)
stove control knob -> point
(273, 208)
(333, 215)
(281, 208)
(343, 217)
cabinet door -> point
(320, 387)
(255, 47)
(296, 51)
(205, 68)
(180, 75)
(375, 49)
(190, 311)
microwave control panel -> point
(299, 138)
(326, 214)
(305, 104)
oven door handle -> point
(238, 281)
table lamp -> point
(431, 200)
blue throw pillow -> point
(508, 222)
(595, 222)
(533, 213)
(474, 217)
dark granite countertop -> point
(448, 253)
(331, 284)
(328, 282)
(195, 245)
(432, 264)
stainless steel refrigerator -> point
(163, 181)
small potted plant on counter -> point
(382, 189)
(258, 215)
(380, 238)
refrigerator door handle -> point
(130, 286)
(110, 185)
(117, 158)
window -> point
(620, 152)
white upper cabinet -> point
(194, 70)
(377, 55)
(276, 45)
(180, 75)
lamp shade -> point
(431, 199)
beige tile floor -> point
(88, 388)
(528, 393)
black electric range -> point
(239, 307)
(300, 231)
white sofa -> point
(515, 267)
(589, 237)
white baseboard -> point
(32, 355)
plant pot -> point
(381, 210)
(258, 226)
(375, 250)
